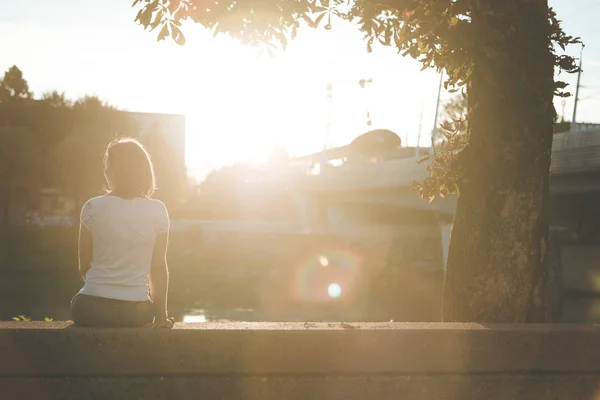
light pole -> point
(362, 84)
(329, 94)
(574, 119)
(418, 150)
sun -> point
(241, 103)
(246, 103)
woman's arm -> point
(159, 278)
(85, 248)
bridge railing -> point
(571, 153)
(574, 140)
(576, 152)
(276, 228)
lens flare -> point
(334, 290)
(315, 274)
(324, 261)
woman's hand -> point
(161, 323)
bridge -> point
(575, 168)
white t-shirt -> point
(124, 232)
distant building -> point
(172, 126)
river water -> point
(48, 297)
(38, 278)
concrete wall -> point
(301, 361)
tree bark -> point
(497, 261)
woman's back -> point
(124, 233)
(123, 240)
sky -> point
(238, 103)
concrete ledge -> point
(302, 361)
(451, 387)
(37, 349)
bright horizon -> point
(240, 104)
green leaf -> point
(146, 15)
(306, 18)
(139, 15)
(164, 32)
(560, 84)
(157, 19)
(370, 45)
(414, 52)
(397, 41)
(174, 6)
(177, 35)
(318, 20)
(294, 32)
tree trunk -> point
(497, 261)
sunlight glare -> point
(240, 103)
(194, 318)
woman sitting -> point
(123, 238)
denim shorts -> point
(92, 311)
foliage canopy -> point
(13, 85)
(57, 143)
